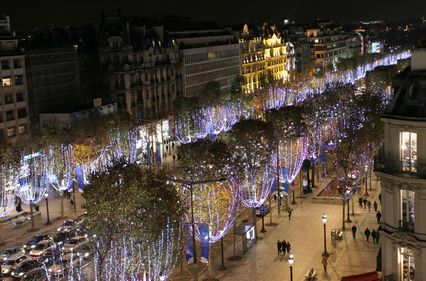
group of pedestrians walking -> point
(283, 247)
(364, 203)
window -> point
(5, 64)
(19, 80)
(6, 81)
(408, 142)
(22, 129)
(22, 113)
(9, 116)
(10, 132)
(407, 209)
(19, 97)
(8, 99)
(407, 265)
(17, 63)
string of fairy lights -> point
(55, 167)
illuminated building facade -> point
(401, 168)
(263, 57)
(14, 119)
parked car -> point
(71, 261)
(9, 252)
(55, 267)
(8, 265)
(24, 267)
(33, 241)
(67, 225)
(62, 237)
(41, 248)
(85, 250)
(73, 242)
(37, 274)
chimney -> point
(418, 59)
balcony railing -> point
(406, 226)
(412, 169)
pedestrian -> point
(283, 247)
(375, 206)
(279, 247)
(360, 202)
(324, 263)
(373, 235)
(288, 247)
(173, 145)
(367, 233)
(378, 216)
(378, 236)
(365, 203)
(354, 228)
(289, 214)
(174, 158)
(380, 198)
(369, 205)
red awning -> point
(371, 276)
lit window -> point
(407, 209)
(10, 132)
(22, 129)
(408, 142)
(6, 81)
(407, 265)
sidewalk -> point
(305, 233)
(11, 235)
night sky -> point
(29, 13)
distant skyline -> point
(66, 12)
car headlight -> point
(59, 229)
(71, 249)
(33, 246)
(6, 270)
(50, 270)
(5, 259)
(86, 255)
(20, 274)
(24, 246)
(13, 273)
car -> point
(41, 248)
(33, 241)
(62, 237)
(85, 249)
(73, 242)
(8, 265)
(71, 261)
(37, 274)
(9, 252)
(67, 225)
(24, 267)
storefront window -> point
(407, 209)
(406, 262)
(408, 141)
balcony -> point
(400, 168)
(406, 226)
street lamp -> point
(324, 223)
(290, 263)
(47, 208)
(366, 181)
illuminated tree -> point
(252, 142)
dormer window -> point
(115, 42)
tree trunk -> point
(254, 223)
(343, 217)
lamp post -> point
(324, 224)
(290, 264)
(366, 181)
(47, 208)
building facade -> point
(53, 79)
(140, 67)
(14, 118)
(263, 57)
(402, 171)
(330, 43)
(207, 55)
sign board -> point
(97, 102)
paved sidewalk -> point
(11, 235)
(305, 233)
